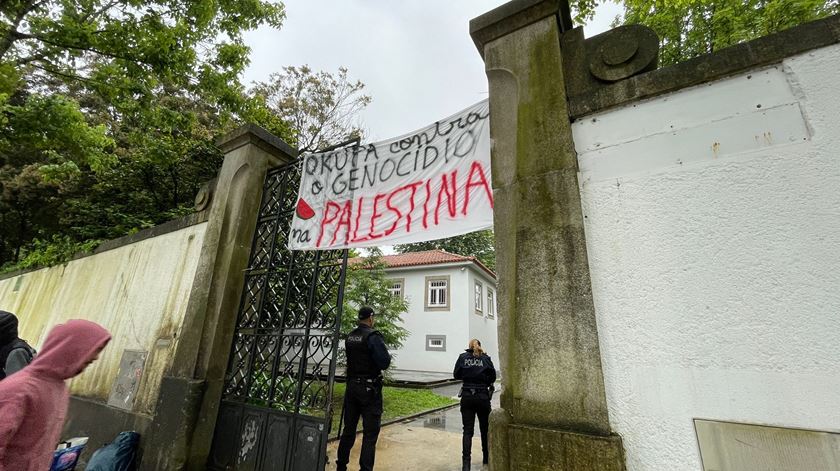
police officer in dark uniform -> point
(476, 369)
(367, 356)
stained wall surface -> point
(138, 292)
(713, 235)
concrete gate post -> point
(554, 411)
(185, 417)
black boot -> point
(485, 460)
(466, 466)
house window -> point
(396, 287)
(478, 297)
(491, 303)
(435, 343)
(437, 293)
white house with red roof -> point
(451, 299)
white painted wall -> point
(455, 324)
(483, 327)
(713, 232)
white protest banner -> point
(427, 185)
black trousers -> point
(472, 405)
(360, 400)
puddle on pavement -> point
(448, 421)
(435, 422)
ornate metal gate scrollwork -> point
(277, 402)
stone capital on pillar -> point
(515, 15)
(554, 412)
(253, 135)
(191, 391)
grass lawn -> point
(397, 402)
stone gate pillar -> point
(185, 419)
(554, 411)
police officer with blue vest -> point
(367, 356)
(476, 369)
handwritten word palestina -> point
(424, 208)
(430, 184)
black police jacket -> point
(367, 355)
(475, 371)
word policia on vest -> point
(469, 362)
(427, 185)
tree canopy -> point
(479, 244)
(321, 108)
(689, 28)
(109, 110)
(133, 48)
(367, 285)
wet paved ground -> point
(429, 443)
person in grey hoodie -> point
(15, 353)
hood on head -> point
(8, 327)
(69, 348)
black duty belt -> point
(360, 380)
(475, 389)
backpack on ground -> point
(119, 455)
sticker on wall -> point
(128, 379)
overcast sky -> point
(416, 57)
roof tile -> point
(428, 257)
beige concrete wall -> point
(139, 292)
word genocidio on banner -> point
(431, 184)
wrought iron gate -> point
(276, 407)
